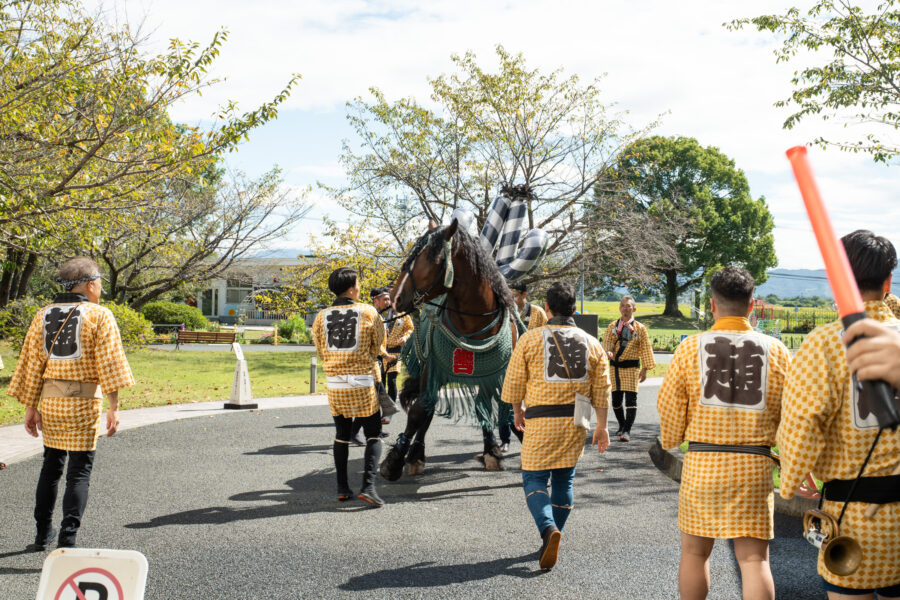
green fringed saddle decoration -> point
(463, 377)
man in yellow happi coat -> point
(72, 355)
(722, 393)
(349, 337)
(630, 354)
(892, 302)
(827, 428)
(531, 314)
(548, 367)
(397, 331)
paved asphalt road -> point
(240, 506)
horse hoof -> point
(415, 468)
(491, 462)
(391, 467)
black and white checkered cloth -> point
(506, 222)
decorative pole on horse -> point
(466, 326)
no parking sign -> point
(86, 574)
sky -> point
(674, 59)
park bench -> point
(204, 337)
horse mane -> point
(470, 250)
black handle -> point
(879, 394)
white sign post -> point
(76, 573)
(241, 396)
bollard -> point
(313, 364)
(241, 396)
(275, 339)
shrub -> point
(172, 313)
(16, 317)
(134, 328)
(293, 327)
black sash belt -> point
(395, 350)
(550, 410)
(758, 450)
(873, 490)
(625, 364)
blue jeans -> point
(551, 508)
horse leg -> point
(391, 467)
(492, 455)
(415, 460)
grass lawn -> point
(168, 377)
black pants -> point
(78, 479)
(346, 428)
(625, 416)
(392, 385)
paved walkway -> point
(240, 504)
(16, 445)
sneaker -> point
(371, 496)
(504, 447)
(358, 439)
(618, 432)
(550, 547)
(624, 437)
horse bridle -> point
(419, 296)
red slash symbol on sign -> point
(100, 581)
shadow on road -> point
(305, 425)
(424, 575)
(307, 494)
(287, 449)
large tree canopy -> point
(860, 81)
(481, 131)
(85, 132)
(702, 204)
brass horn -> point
(841, 553)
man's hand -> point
(519, 417)
(390, 359)
(32, 421)
(643, 376)
(112, 422)
(601, 439)
(609, 354)
(876, 352)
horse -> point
(474, 310)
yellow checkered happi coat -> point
(536, 316)
(723, 495)
(401, 331)
(72, 423)
(552, 442)
(639, 348)
(821, 433)
(893, 303)
(359, 359)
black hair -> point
(518, 286)
(871, 257)
(341, 280)
(733, 286)
(472, 252)
(561, 299)
(378, 291)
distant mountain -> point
(788, 283)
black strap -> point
(550, 410)
(733, 448)
(395, 350)
(872, 490)
(625, 364)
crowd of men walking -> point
(731, 393)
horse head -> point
(428, 271)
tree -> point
(486, 130)
(861, 80)
(191, 233)
(84, 125)
(702, 204)
(305, 287)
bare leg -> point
(756, 575)
(693, 572)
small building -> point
(234, 295)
